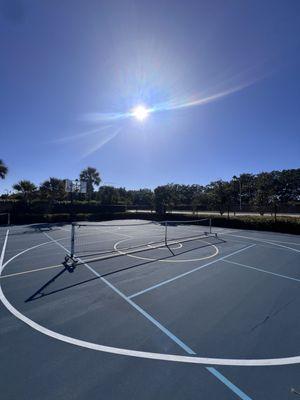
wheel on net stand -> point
(70, 263)
(294, 391)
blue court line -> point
(179, 342)
(144, 313)
(262, 270)
(229, 384)
(137, 307)
(151, 319)
(189, 272)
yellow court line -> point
(30, 271)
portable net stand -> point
(294, 391)
(187, 230)
(96, 241)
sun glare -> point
(140, 112)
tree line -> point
(266, 191)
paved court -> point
(216, 317)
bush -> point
(62, 207)
(26, 218)
(282, 224)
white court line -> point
(64, 229)
(189, 272)
(163, 246)
(224, 231)
(25, 251)
(144, 354)
(80, 234)
(174, 338)
(261, 270)
(3, 250)
(260, 244)
(248, 237)
(41, 244)
(283, 241)
(221, 230)
(137, 307)
(260, 240)
(43, 268)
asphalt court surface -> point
(162, 322)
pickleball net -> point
(92, 241)
(177, 231)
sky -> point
(221, 80)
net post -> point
(72, 239)
(209, 225)
(166, 233)
(8, 218)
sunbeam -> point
(141, 112)
(102, 142)
(71, 138)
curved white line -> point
(163, 260)
(141, 354)
(145, 354)
(25, 251)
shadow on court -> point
(40, 293)
(35, 228)
(169, 256)
(152, 247)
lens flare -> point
(140, 112)
(230, 85)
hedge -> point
(282, 224)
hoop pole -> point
(209, 225)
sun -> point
(140, 112)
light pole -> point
(236, 179)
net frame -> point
(98, 225)
(198, 222)
(72, 258)
(132, 249)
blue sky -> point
(70, 70)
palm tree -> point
(92, 177)
(25, 188)
(3, 170)
(53, 189)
